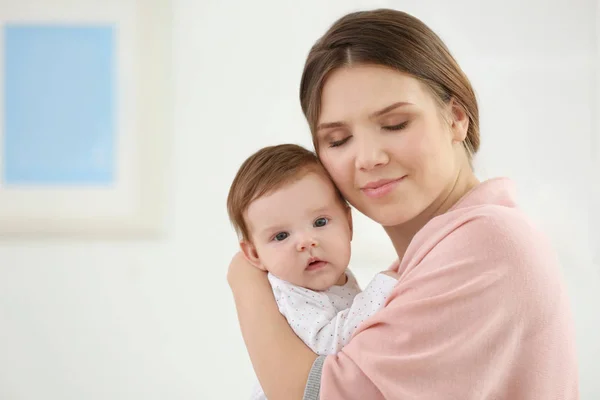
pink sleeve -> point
(481, 314)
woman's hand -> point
(391, 273)
(241, 273)
(280, 359)
(394, 267)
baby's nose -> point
(306, 243)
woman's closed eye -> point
(337, 143)
(390, 128)
(397, 127)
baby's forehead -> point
(281, 212)
(302, 196)
(285, 217)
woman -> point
(479, 311)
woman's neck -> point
(401, 235)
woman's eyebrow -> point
(327, 125)
(389, 108)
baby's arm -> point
(336, 333)
(316, 321)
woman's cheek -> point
(344, 179)
(333, 165)
(340, 167)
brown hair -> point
(267, 170)
(396, 40)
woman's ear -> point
(251, 254)
(459, 121)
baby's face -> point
(302, 233)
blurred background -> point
(129, 316)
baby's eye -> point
(319, 222)
(281, 236)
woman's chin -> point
(388, 215)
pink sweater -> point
(480, 312)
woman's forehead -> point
(366, 90)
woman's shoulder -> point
(488, 228)
(489, 212)
(485, 247)
(493, 229)
(494, 219)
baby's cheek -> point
(285, 265)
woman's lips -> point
(380, 188)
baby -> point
(294, 224)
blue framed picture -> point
(85, 117)
(59, 105)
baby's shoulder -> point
(285, 289)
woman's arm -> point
(280, 359)
(481, 314)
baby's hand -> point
(393, 274)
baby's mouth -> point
(315, 263)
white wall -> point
(154, 319)
(595, 221)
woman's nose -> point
(370, 154)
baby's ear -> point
(251, 254)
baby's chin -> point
(325, 283)
(319, 282)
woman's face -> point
(387, 144)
